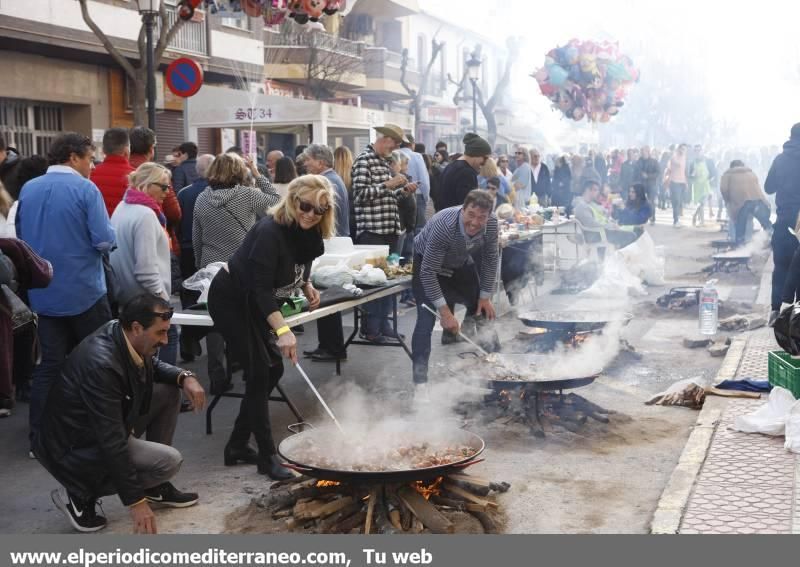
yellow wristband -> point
(282, 330)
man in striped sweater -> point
(455, 261)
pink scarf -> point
(134, 197)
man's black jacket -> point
(90, 413)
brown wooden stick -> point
(331, 523)
(425, 511)
(480, 481)
(466, 495)
(352, 522)
(288, 481)
(489, 525)
(395, 519)
(476, 489)
(373, 496)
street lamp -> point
(474, 73)
(149, 10)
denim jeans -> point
(57, 337)
(751, 209)
(676, 195)
(784, 245)
(462, 287)
(377, 312)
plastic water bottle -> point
(534, 201)
(709, 309)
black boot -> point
(236, 453)
(270, 465)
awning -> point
(385, 9)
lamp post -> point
(474, 73)
(149, 10)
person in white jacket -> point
(141, 260)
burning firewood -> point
(310, 505)
(425, 511)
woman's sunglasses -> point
(164, 186)
(307, 207)
(164, 315)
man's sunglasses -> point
(164, 186)
(164, 315)
(307, 207)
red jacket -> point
(111, 177)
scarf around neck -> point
(134, 197)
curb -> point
(796, 514)
(672, 504)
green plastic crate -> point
(784, 371)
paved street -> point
(604, 479)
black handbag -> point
(20, 314)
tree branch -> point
(436, 48)
(460, 84)
(403, 77)
(115, 54)
(502, 85)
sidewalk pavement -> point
(728, 482)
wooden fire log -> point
(373, 496)
(479, 481)
(288, 481)
(354, 521)
(425, 511)
(466, 495)
(277, 500)
(314, 509)
(332, 523)
(489, 525)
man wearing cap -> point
(375, 193)
(461, 176)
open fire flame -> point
(323, 483)
(429, 489)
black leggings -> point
(247, 344)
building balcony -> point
(192, 37)
(383, 70)
(329, 58)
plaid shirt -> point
(375, 204)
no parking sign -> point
(184, 77)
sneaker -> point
(168, 495)
(5, 412)
(82, 515)
(31, 454)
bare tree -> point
(488, 107)
(417, 95)
(137, 71)
(330, 60)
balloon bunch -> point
(273, 11)
(587, 79)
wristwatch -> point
(183, 375)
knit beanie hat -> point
(475, 146)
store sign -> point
(252, 113)
(440, 115)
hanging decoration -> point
(587, 79)
(273, 11)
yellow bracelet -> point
(282, 330)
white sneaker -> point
(421, 393)
(677, 224)
(5, 412)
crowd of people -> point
(91, 256)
